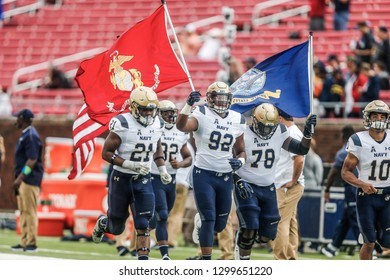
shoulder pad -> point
(356, 140)
(283, 128)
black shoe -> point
(134, 253)
(31, 249)
(194, 258)
(122, 251)
(17, 248)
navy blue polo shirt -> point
(29, 146)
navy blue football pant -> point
(373, 217)
(213, 198)
(134, 190)
(260, 212)
(165, 196)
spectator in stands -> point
(28, 179)
(333, 63)
(5, 104)
(319, 77)
(341, 14)
(348, 217)
(364, 47)
(383, 47)
(333, 91)
(57, 79)
(212, 42)
(317, 14)
(372, 87)
(249, 63)
(354, 86)
(383, 75)
(2, 154)
(236, 70)
(190, 42)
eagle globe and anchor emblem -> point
(126, 80)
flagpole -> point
(311, 70)
(178, 45)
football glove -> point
(310, 122)
(193, 97)
(139, 167)
(236, 163)
(244, 189)
(166, 178)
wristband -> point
(26, 170)
(186, 110)
(158, 158)
(128, 164)
(242, 160)
(162, 169)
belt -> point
(380, 191)
(383, 190)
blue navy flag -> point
(282, 79)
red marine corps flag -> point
(141, 56)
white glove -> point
(139, 167)
(166, 178)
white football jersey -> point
(172, 140)
(374, 158)
(139, 143)
(262, 156)
(284, 170)
(215, 137)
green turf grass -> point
(55, 248)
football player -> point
(218, 132)
(369, 152)
(176, 155)
(131, 146)
(254, 192)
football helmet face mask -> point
(143, 105)
(219, 97)
(376, 106)
(265, 120)
(168, 112)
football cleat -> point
(330, 251)
(196, 231)
(166, 258)
(122, 251)
(99, 229)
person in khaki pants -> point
(289, 182)
(28, 179)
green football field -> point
(84, 250)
